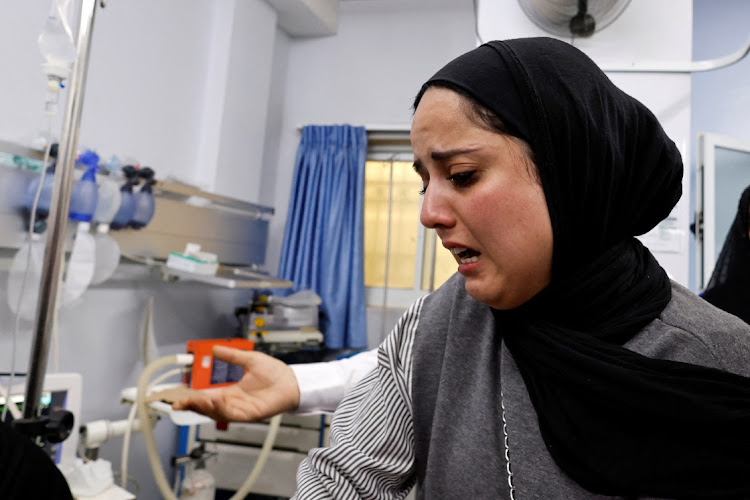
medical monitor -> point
(60, 390)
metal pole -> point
(57, 222)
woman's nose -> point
(436, 210)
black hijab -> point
(616, 422)
(26, 471)
(729, 286)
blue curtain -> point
(323, 247)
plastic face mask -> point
(22, 298)
(107, 257)
(80, 269)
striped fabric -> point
(372, 435)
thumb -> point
(232, 355)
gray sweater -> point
(431, 412)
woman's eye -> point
(462, 179)
(423, 190)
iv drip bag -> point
(56, 42)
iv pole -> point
(57, 224)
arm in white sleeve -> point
(322, 386)
(372, 432)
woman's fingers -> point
(201, 405)
(236, 356)
(229, 404)
(268, 387)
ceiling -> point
(305, 18)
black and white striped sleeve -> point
(372, 436)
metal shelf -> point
(169, 188)
(228, 277)
(20, 150)
(235, 230)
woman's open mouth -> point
(465, 255)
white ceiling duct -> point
(307, 17)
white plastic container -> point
(199, 484)
(191, 264)
(108, 201)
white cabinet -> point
(238, 447)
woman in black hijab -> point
(729, 286)
(26, 471)
(560, 362)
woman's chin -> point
(493, 296)
(481, 292)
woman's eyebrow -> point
(447, 155)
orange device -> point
(209, 372)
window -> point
(403, 260)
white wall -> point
(179, 85)
(23, 84)
(646, 31)
(275, 123)
(721, 98)
(368, 73)
(146, 74)
(248, 84)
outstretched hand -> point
(268, 388)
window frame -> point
(399, 297)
